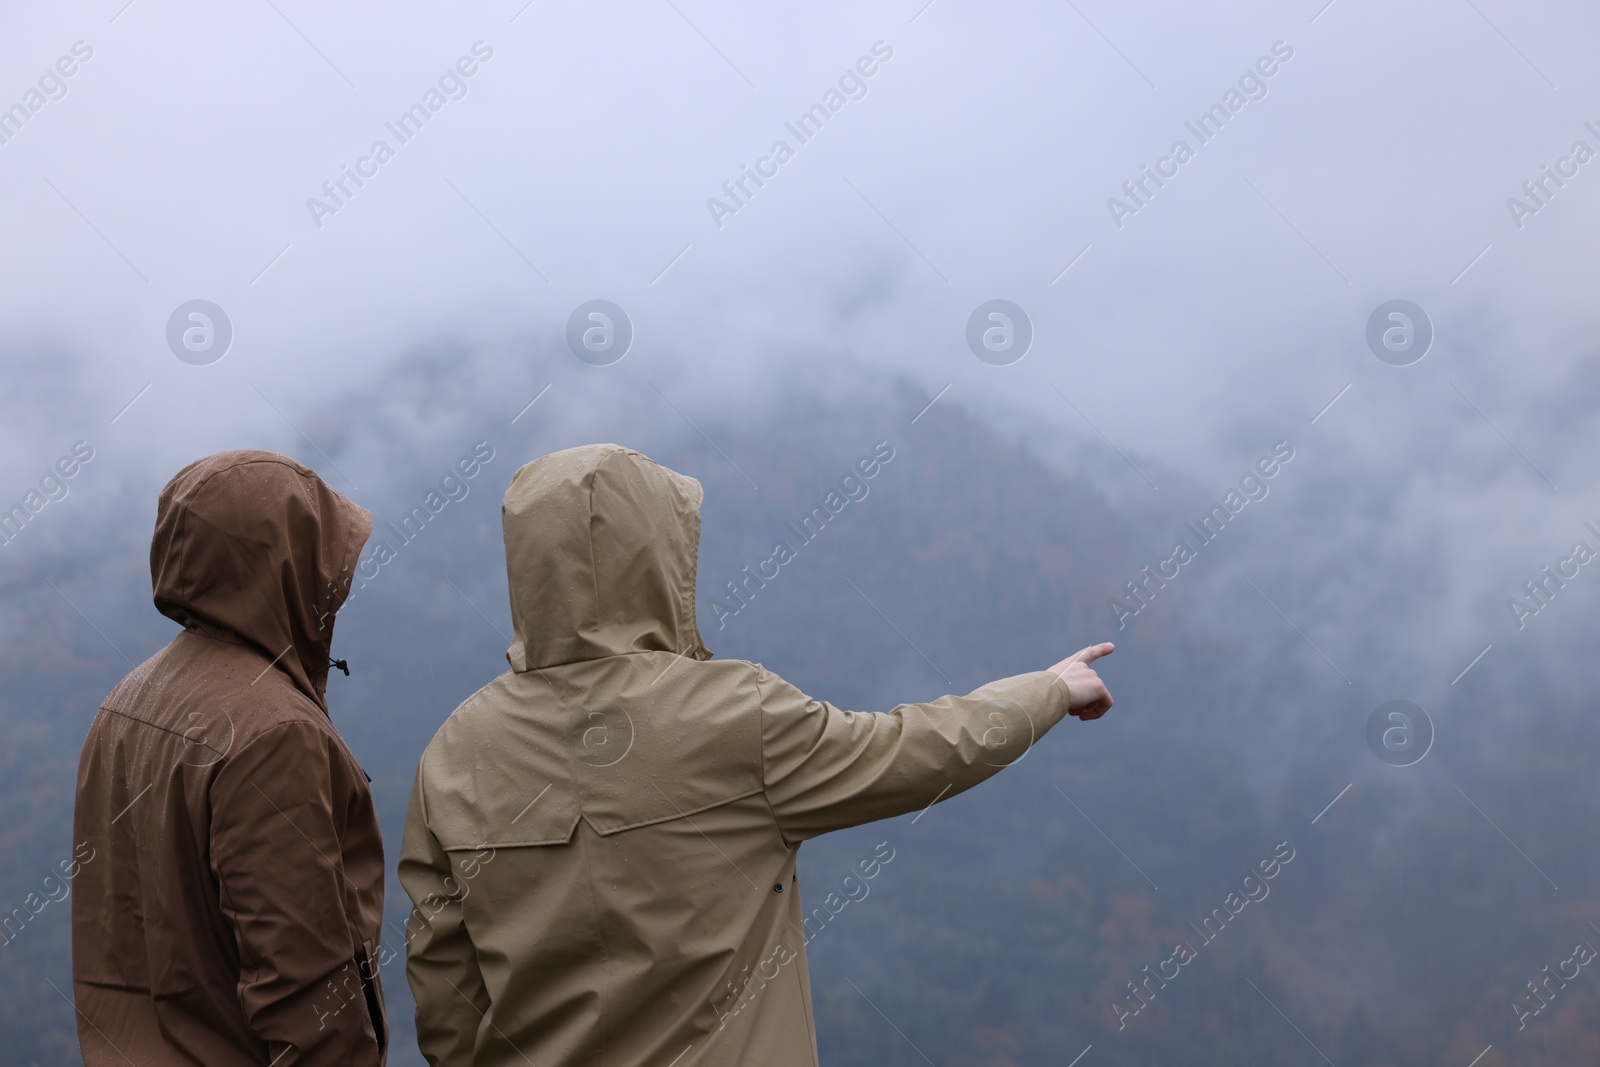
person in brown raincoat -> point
(601, 842)
(230, 912)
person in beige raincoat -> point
(601, 843)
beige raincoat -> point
(601, 843)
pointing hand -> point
(1087, 696)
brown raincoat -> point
(230, 912)
(601, 843)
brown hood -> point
(601, 549)
(256, 544)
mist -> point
(1175, 323)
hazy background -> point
(1168, 355)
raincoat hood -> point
(258, 545)
(601, 549)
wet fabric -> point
(230, 912)
(602, 841)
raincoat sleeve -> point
(826, 769)
(305, 989)
(441, 963)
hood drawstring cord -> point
(343, 665)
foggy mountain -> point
(1010, 920)
(1342, 811)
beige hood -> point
(601, 547)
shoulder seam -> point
(154, 726)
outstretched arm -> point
(826, 769)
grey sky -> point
(575, 162)
(1221, 317)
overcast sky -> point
(156, 153)
(185, 159)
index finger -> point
(1092, 653)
